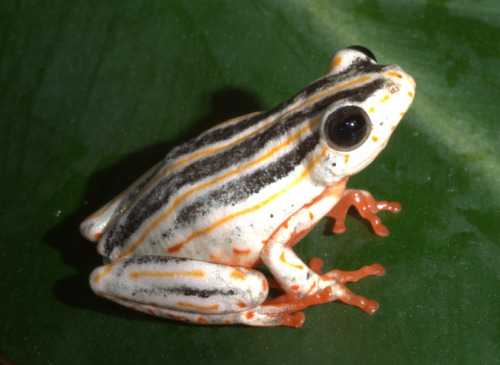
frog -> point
(208, 233)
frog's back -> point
(233, 179)
(218, 174)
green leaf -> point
(94, 93)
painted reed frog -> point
(183, 242)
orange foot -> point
(347, 296)
(342, 277)
(285, 304)
(367, 207)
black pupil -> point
(347, 127)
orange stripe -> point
(200, 307)
(320, 95)
(209, 151)
(396, 74)
(237, 275)
(311, 288)
(177, 247)
(337, 61)
(166, 274)
(207, 184)
(103, 273)
(241, 252)
(295, 266)
(382, 100)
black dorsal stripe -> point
(218, 135)
(240, 189)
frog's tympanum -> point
(184, 241)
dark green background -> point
(92, 93)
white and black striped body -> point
(219, 198)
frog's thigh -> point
(179, 284)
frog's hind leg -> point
(96, 225)
(198, 292)
(262, 316)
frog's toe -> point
(294, 320)
(337, 278)
(315, 264)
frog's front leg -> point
(367, 207)
(193, 291)
(296, 277)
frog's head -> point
(371, 100)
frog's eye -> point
(347, 128)
(365, 51)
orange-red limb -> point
(367, 207)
